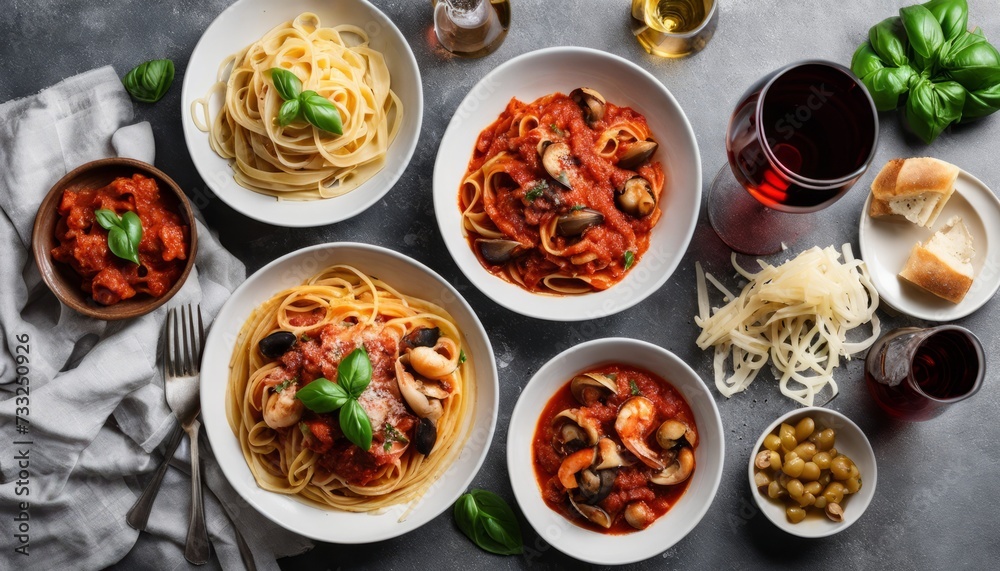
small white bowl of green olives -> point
(813, 472)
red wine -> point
(820, 128)
(944, 367)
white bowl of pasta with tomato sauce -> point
(253, 456)
(542, 222)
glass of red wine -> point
(914, 374)
(798, 140)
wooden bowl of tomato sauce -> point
(71, 247)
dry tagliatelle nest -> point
(795, 316)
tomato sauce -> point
(632, 482)
(520, 209)
(83, 243)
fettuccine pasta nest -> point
(795, 316)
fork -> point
(181, 368)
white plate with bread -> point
(930, 236)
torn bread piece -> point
(943, 266)
(916, 189)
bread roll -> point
(943, 266)
(916, 189)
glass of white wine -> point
(674, 28)
(471, 28)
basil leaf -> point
(976, 78)
(978, 54)
(355, 372)
(356, 425)
(953, 15)
(287, 83)
(119, 245)
(931, 107)
(981, 103)
(322, 395)
(888, 40)
(923, 31)
(865, 61)
(322, 114)
(290, 111)
(887, 84)
(149, 81)
(488, 521)
(107, 218)
(629, 259)
(133, 229)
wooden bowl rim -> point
(43, 233)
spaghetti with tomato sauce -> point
(633, 479)
(549, 197)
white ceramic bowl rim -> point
(299, 516)
(243, 17)
(672, 233)
(854, 506)
(585, 544)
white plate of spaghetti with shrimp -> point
(353, 380)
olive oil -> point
(673, 28)
(471, 28)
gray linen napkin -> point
(91, 398)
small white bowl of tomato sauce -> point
(615, 451)
(72, 248)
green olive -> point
(787, 434)
(840, 467)
(807, 500)
(814, 488)
(795, 466)
(795, 488)
(795, 514)
(834, 493)
(774, 490)
(822, 459)
(852, 485)
(810, 472)
(762, 479)
(806, 450)
(804, 429)
(824, 439)
(772, 442)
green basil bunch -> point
(928, 62)
(149, 81)
(298, 104)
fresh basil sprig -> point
(926, 62)
(149, 81)
(124, 233)
(488, 521)
(354, 373)
(298, 104)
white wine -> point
(673, 16)
(471, 28)
(674, 28)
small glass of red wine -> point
(798, 140)
(914, 374)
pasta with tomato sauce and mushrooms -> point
(417, 402)
(561, 194)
